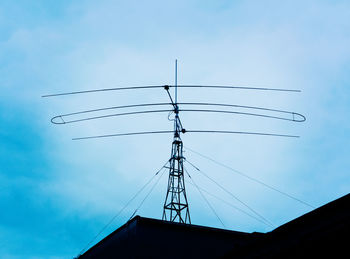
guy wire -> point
(205, 199)
(251, 178)
(120, 211)
(227, 191)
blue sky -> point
(56, 194)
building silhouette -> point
(321, 233)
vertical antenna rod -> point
(176, 81)
(176, 205)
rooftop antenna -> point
(176, 204)
(176, 207)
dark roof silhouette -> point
(323, 232)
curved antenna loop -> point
(183, 103)
(59, 119)
(116, 108)
(55, 120)
(301, 119)
(296, 117)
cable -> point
(231, 205)
(125, 206)
(213, 210)
(170, 115)
(251, 178)
(150, 191)
(227, 191)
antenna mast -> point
(176, 205)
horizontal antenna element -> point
(185, 131)
(172, 86)
(176, 207)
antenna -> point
(176, 204)
(175, 81)
(176, 207)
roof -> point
(144, 237)
(322, 232)
(318, 233)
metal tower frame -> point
(176, 204)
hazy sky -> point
(56, 194)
